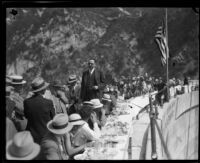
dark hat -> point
(72, 79)
(57, 84)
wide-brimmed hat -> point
(16, 79)
(87, 103)
(106, 97)
(72, 79)
(22, 147)
(75, 119)
(57, 84)
(38, 84)
(60, 124)
(96, 103)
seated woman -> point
(98, 109)
(56, 144)
(81, 132)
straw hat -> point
(72, 79)
(57, 84)
(87, 103)
(106, 97)
(38, 84)
(17, 80)
(59, 125)
(22, 147)
(96, 103)
(75, 119)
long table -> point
(114, 140)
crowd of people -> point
(58, 120)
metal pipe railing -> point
(153, 133)
(162, 141)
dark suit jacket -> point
(38, 112)
(99, 81)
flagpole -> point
(167, 55)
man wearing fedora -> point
(17, 82)
(22, 147)
(81, 132)
(56, 144)
(38, 110)
(58, 97)
(99, 111)
(73, 94)
(93, 82)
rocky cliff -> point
(55, 42)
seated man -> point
(81, 132)
(99, 111)
(73, 94)
(107, 102)
(56, 144)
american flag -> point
(161, 41)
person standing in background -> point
(59, 99)
(93, 82)
(73, 94)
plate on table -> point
(80, 157)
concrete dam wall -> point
(180, 126)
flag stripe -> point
(161, 41)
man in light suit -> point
(93, 82)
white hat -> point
(38, 84)
(87, 103)
(96, 103)
(60, 124)
(75, 119)
(106, 97)
(17, 80)
(22, 147)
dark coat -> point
(88, 93)
(38, 112)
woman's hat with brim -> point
(60, 124)
(72, 79)
(22, 147)
(16, 80)
(38, 84)
(96, 103)
(75, 119)
(106, 97)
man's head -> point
(57, 88)
(72, 81)
(91, 64)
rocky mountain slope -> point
(55, 42)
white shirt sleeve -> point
(92, 134)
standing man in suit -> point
(93, 82)
(38, 110)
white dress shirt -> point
(85, 134)
(91, 71)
